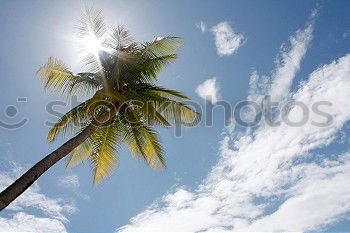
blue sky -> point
(218, 178)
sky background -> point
(218, 178)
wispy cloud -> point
(209, 90)
(202, 26)
(227, 41)
(289, 63)
(271, 179)
(69, 181)
(33, 210)
(318, 199)
(72, 183)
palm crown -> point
(120, 80)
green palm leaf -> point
(162, 47)
(104, 142)
(58, 78)
(72, 122)
(80, 154)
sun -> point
(92, 44)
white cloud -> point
(209, 90)
(22, 222)
(23, 212)
(289, 63)
(72, 183)
(227, 41)
(268, 179)
(202, 26)
(69, 181)
(318, 199)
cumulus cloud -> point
(271, 178)
(209, 90)
(33, 210)
(227, 41)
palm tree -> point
(123, 107)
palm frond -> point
(153, 148)
(72, 122)
(59, 79)
(144, 143)
(91, 31)
(104, 142)
(141, 70)
(153, 117)
(91, 62)
(92, 24)
(150, 89)
(179, 113)
(119, 38)
(146, 69)
(168, 104)
(151, 58)
(162, 47)
(80, 154)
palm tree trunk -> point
(27, 179)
